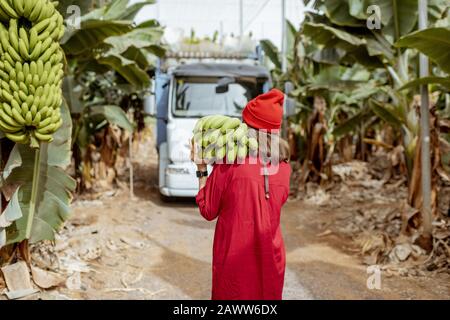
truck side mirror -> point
(150, 105)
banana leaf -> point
(331, 37)
(433, 42)
(444, 82)
(45, 187)
(113, 114)
(340, 12)
(271, 52)
(91, 35)
(128, 69)
(11, 213)
(398, 17)
(351, 124)
(384, 113)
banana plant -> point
(38, 188)
(109, 59)
(343, 28)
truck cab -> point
(185, 91)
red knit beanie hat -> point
(265, 111)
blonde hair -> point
(268, 139)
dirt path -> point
(149, 249)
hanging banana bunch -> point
(31, 70)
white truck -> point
(187, 88)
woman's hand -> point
(200, 162)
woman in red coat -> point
(248, 253)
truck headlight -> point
(177, 171)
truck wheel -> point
(165, 199)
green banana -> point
(19, 6)
(32, 88)
(14, 105)
(18, 117)
(24, 36)
(4, 75)
(26, 69)
(231, 123)
(37, 118)
(18, 67)
(43, 137)
(28, 118)
(28, 81)
(8, 9)
(7, 96)
(13, 34)
(40, 67)
(214, 136)
(17, 137)
(34, 108)
(36, 11)
(218, 121)
(8, 128)
(7, 65)
(242, 152)
(33, 68)
(14, 54)
(48, 52)
(22, 96)
(8, 119)
(23, 87)
(209, 121)
(253, 144)
(36, 51)
(4, 37)
(221, 153)
(224, 138)
(28, 6)
(61, 33)
(243, 141)
(47, 129)
(12, 75)
(33, 39)
(44, 13)
(7, 109)
(8, 59)
(23, 49)
(39, 91)
(3, 15)
(35, 81)
(13, 85)
(240, 132)
(44, 122)
(43, 36)
(5, 86)
(25, 108)
(231, 153)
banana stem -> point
(34, 187)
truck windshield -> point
(197, 98)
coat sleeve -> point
(209, 197)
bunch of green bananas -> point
(223, 137)
(31, 70)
